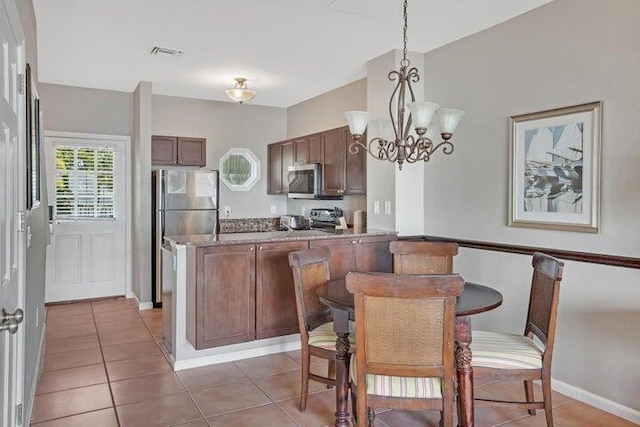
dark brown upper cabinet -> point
(307, 149)
(178, 151)
(343, 173)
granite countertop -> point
(270, 236)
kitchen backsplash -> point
(248, 225)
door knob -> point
(9, 322)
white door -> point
(87, 256)
(12, 123)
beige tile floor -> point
(104, 367)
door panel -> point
(12, 244)
(69, 267)
(88, 254)
(102, 257)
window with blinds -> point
(85, 182)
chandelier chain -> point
(405, 62)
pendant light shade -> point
(239, 93)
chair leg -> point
(546, 397)
(331, 373)
(306, 361)
(371, 416)
(528, 392)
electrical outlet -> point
(376, 207)
(227, 211)
(303, 210)
(273, 209)
(387, 207)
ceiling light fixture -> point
(399, 145)
(240, 93)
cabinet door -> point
(372, 254)
(307, 149)
(192, 151)
(274, 168)
(164, 150)
(333, 162)
(315, 148)
(301, 151)
(341, 260)
(225, 295)
(276, 312)
(287, 160)
(356, 166)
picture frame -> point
(554, 171)
(33, 142)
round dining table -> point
(474, 299)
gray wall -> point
(77, 109)
(36, 221)
(564, 53)
(326, 111)
(226, 125)
(141, 193)
(320, 113)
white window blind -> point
(85, 182)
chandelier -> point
(239, 92)
(393, 141)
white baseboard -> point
(235, 355)
(596, 401)
(30, 393)
(141, 305)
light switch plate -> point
(387, 207)
(273, 209)
(227, 211)
(376, 207)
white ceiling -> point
(289, 50)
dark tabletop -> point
(474, 299)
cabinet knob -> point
(353, 242)
(180, 161)
(250, 249)
(175, 161)
(359, 240)
(260, 248)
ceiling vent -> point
(165, 51)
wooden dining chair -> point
(422, 257)
(311, 269)
(527, 357)
(405, 343)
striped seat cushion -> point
(504, 351)
(324, 337)
(412, 387)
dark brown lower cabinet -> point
(357, 254)
(275, 296)
(245, 292)
(224, 298)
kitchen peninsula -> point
(230, 296)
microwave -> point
(305, 181)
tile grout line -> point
(75, 388)
(113, 401)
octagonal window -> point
(239, 169)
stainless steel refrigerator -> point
(185, 202)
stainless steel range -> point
(325, 217)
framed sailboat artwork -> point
(555, 168)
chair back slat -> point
(422, 257)
(310, 270)
(405, 322)
(543, 300)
